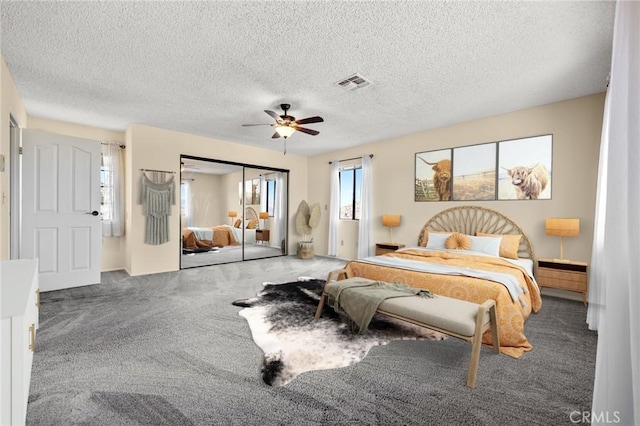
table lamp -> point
(264, 216)
(391, 221)
(232, 214)
(562, 227)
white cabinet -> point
(19, 305)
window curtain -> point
(616, 289)
(279, 229)
(263, 194)
(365, 228)
(112, 191)
(188, 202)
(334, 208)
(596, 275)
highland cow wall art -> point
(474, 173)
(433, 176)
(515, 169)
(524, 168)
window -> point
(350, 193)
(186, 202)
(106, 190)
(271, 196)
(111, 191)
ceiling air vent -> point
(353, 83)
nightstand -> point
(382, 248)
(565, 275)
(262, 235)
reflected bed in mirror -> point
(210, 191)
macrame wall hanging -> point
(157, 195)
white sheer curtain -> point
(279, 230)
(334, 208)
(187, 202)
(263, 194)
(616, 287)
(365, 228)
(112, 182)
(598, 269)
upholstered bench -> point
(457, 318)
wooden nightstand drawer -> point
(382, 248)
(567, 275)
(552, 274)
(562, 281)
(262, 235)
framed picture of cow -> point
(474, 173)
(524, 168)
(433, 175)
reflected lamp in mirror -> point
(232, 215)
(562, 227)
(391, 221)
(264, 216)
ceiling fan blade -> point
(261, 124)
(276, 135)
(307, 131)
(309, 120)
(273, 114)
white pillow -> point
(487, 245)
(436, 240)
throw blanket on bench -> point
(359, 300)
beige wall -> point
(154, 148)
(10, 104)
(576, 128)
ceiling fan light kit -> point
(286, 125)
(285, 131)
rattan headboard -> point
(250, 213)
(471, 219)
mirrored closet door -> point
(231, 212)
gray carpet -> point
(170, 349)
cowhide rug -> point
(282, 323)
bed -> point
(202, 238)
(498, 266)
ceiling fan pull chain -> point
(285, 146)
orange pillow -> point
(508, 246)
(458, 241)
(425, 236)
(237, 223)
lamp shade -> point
(562, 227)
(391, 220)
(232, 213)
(264, 215)
(285, 131)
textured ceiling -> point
(208, 67)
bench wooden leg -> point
(494, 328)
(476, 345)
(338, 273)
(320, 305)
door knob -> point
(94, 213)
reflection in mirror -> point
(263, 234)
(230, 212)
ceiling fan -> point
(286, 124)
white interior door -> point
(60, 208)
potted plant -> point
(307, 218)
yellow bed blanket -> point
(222, 236)
(511, 315)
